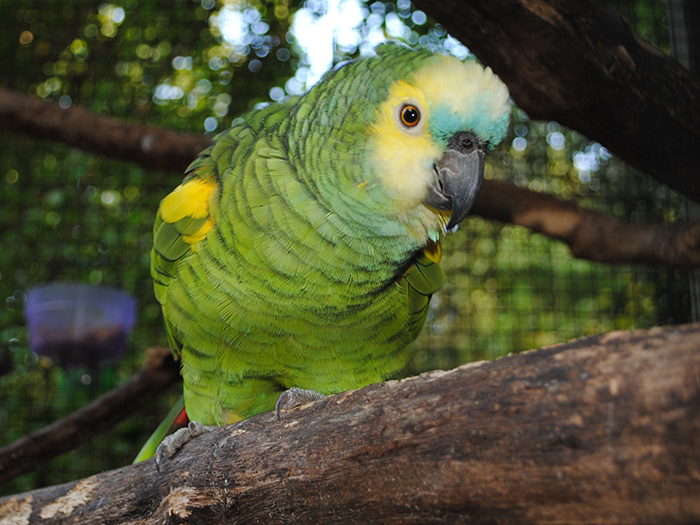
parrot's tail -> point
(176, 418)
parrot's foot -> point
(295, 397)
(174, 442)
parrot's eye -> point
(410, 116)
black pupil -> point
(410, 115)
(467, 143)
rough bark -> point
(670, 246)
(600, 430)
(33, 450)
(579, 63)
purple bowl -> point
(79, 324)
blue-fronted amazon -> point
(302, 248)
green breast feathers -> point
(302, 248)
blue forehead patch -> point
(445, 122)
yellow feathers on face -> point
(442, 98)
(403, 153)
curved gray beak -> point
(458, 177)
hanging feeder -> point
(76, 324)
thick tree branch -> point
(671, 246)
(29, 452)
(589, 234)
(603, 429)
(578, 63)
(571, 61)
(77, 127)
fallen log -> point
(604, 429)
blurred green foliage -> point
(193, 66)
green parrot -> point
(300, 252)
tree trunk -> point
(600, 430)
(579, 63)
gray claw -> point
(174, 442)
(295, 397)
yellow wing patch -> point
(199, 235)
(182, 223)
(190, 200)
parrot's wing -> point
(421, 281)
(182, 223)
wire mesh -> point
(67, 215)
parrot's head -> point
(429, 135)
(400, 138)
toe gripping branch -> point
(295, 397)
